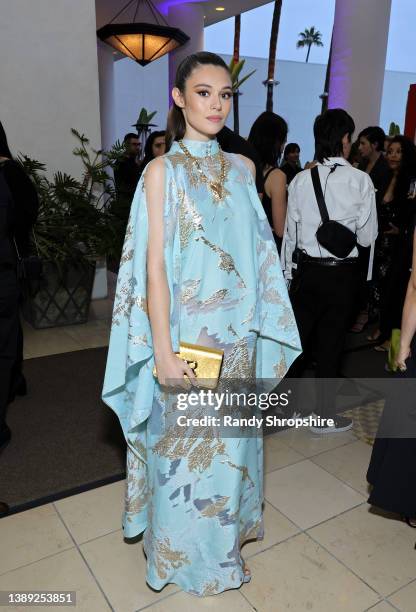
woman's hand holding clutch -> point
(171, 370)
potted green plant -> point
(74, 228)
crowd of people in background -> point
(390, 162)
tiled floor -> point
(94, 333)
(324, 550)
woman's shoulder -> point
(155, 169)
(249, 164)
(275, 175)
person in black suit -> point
(18, 212)
(127, 170)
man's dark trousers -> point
(323, 299)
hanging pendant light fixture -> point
(142, 41)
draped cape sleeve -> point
(278, 343)
(129, 383)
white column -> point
(190, 19)
(358, 58)
(107, 99)
(49, 79)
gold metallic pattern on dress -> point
(215, 298)
(215, 508)
(167, 558)
(201, 457)
(253, 533)
(141, 302)
(212, 163)
(124, 301)
(238, 363)
(243, 469)
(126, 256)
(217, 185)
(129, 233)
(249, 316)
(280, 368)
(189, 218)
(226, 261)
(136, 493)
(139, 340)
(190, 290)
(211, 588)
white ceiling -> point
(107, 9)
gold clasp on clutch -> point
(192, 364)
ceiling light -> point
(140, 40)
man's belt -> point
(330, 261)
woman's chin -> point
(214, 128)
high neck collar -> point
(198, 148)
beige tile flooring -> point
(323, 551)
(94, 333)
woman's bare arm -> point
(168, 365)
(276, 185)
(408, 328)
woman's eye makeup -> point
(203, 92)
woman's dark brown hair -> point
(176, 121)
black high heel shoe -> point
(411, 522)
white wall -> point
(394, 101)
(49, 78)
(136, 86)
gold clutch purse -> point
(204, 361)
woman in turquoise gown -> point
(196, 496)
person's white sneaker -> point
(340, 424)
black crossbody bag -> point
(332, 235)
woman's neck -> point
(197, 136)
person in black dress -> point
(373, 162)
(155, 147)
(291, 165)
(392, 469)
(267, 136)
(18, 212)
(399, 210)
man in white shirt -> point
(324, 287)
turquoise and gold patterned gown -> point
(197, 499)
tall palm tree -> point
(272, 53)
(308, 38)
(236, 59)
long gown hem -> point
(132, 531)
(160, 585)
